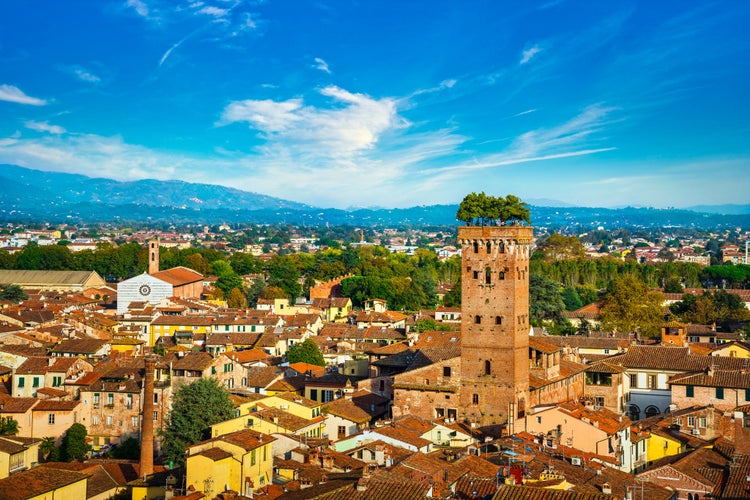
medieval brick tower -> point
(153, 256)
(495, 323)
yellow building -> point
(44, 483)
(660, 444)
(17, 454)
(168, 325)
(287, 413)
(241, 461)
(732, 350)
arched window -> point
(501, 247)
(478, 319)
(489, 247)
(475, 399)
(652, 411)
(487, 367)
(476, 247)
(487, 275)
(498, 320)
(634, 412)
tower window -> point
(501, 247)
(489, 247)
(478, 319)
(488, 275)
(487, 367)
(476, 247)
(498, 320)
(475, 399)
(476, 275)
(446, 371)
(502, 275)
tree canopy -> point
(74, 445)
(13, 293)
(195, 408)
(305, 352)
(631, 306)
(481, 209)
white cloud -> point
(321, 65)
(215, 12)
(83, 74)
(266, 115)
(139, 6)
(569, 139)
(91, 154)
(11, 93)
(44, 127)
(528, 111)
(528, 54)
(355, 125)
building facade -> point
(495, 323)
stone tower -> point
(153, 256)
(495, 323)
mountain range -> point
(34, 195)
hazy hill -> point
(23, 188)
(33, 195)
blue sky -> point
(377, 103)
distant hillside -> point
(32, 195)
(722, 209)
(27, 189)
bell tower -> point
(495, 323)
(153, 256)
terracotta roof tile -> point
(178, 276)
(37, 481)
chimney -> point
(153, 256)
(147, 419)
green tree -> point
(545, 300)
(514, 211)
(429, 324)
(571, 298)
(558, 247)
(273, 292)
(129, 449)
(470, 209)
(453, 297)
(306, 352)
(74, 445)
(13, 293)
(8, 426)
(236, 299)
(195, 408)
(630, 305)
(47, 446)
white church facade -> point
(142, 288)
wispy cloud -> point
(44, 127)
(139, 6)
(527, 112)
(572, 138)
(171, 49)
(82, 74)
(528, 54)
(215, 12)
(321, 65)
(12, 93)
(356, 124)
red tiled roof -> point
(37, 481)
(178, 276)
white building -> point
(142, 288)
